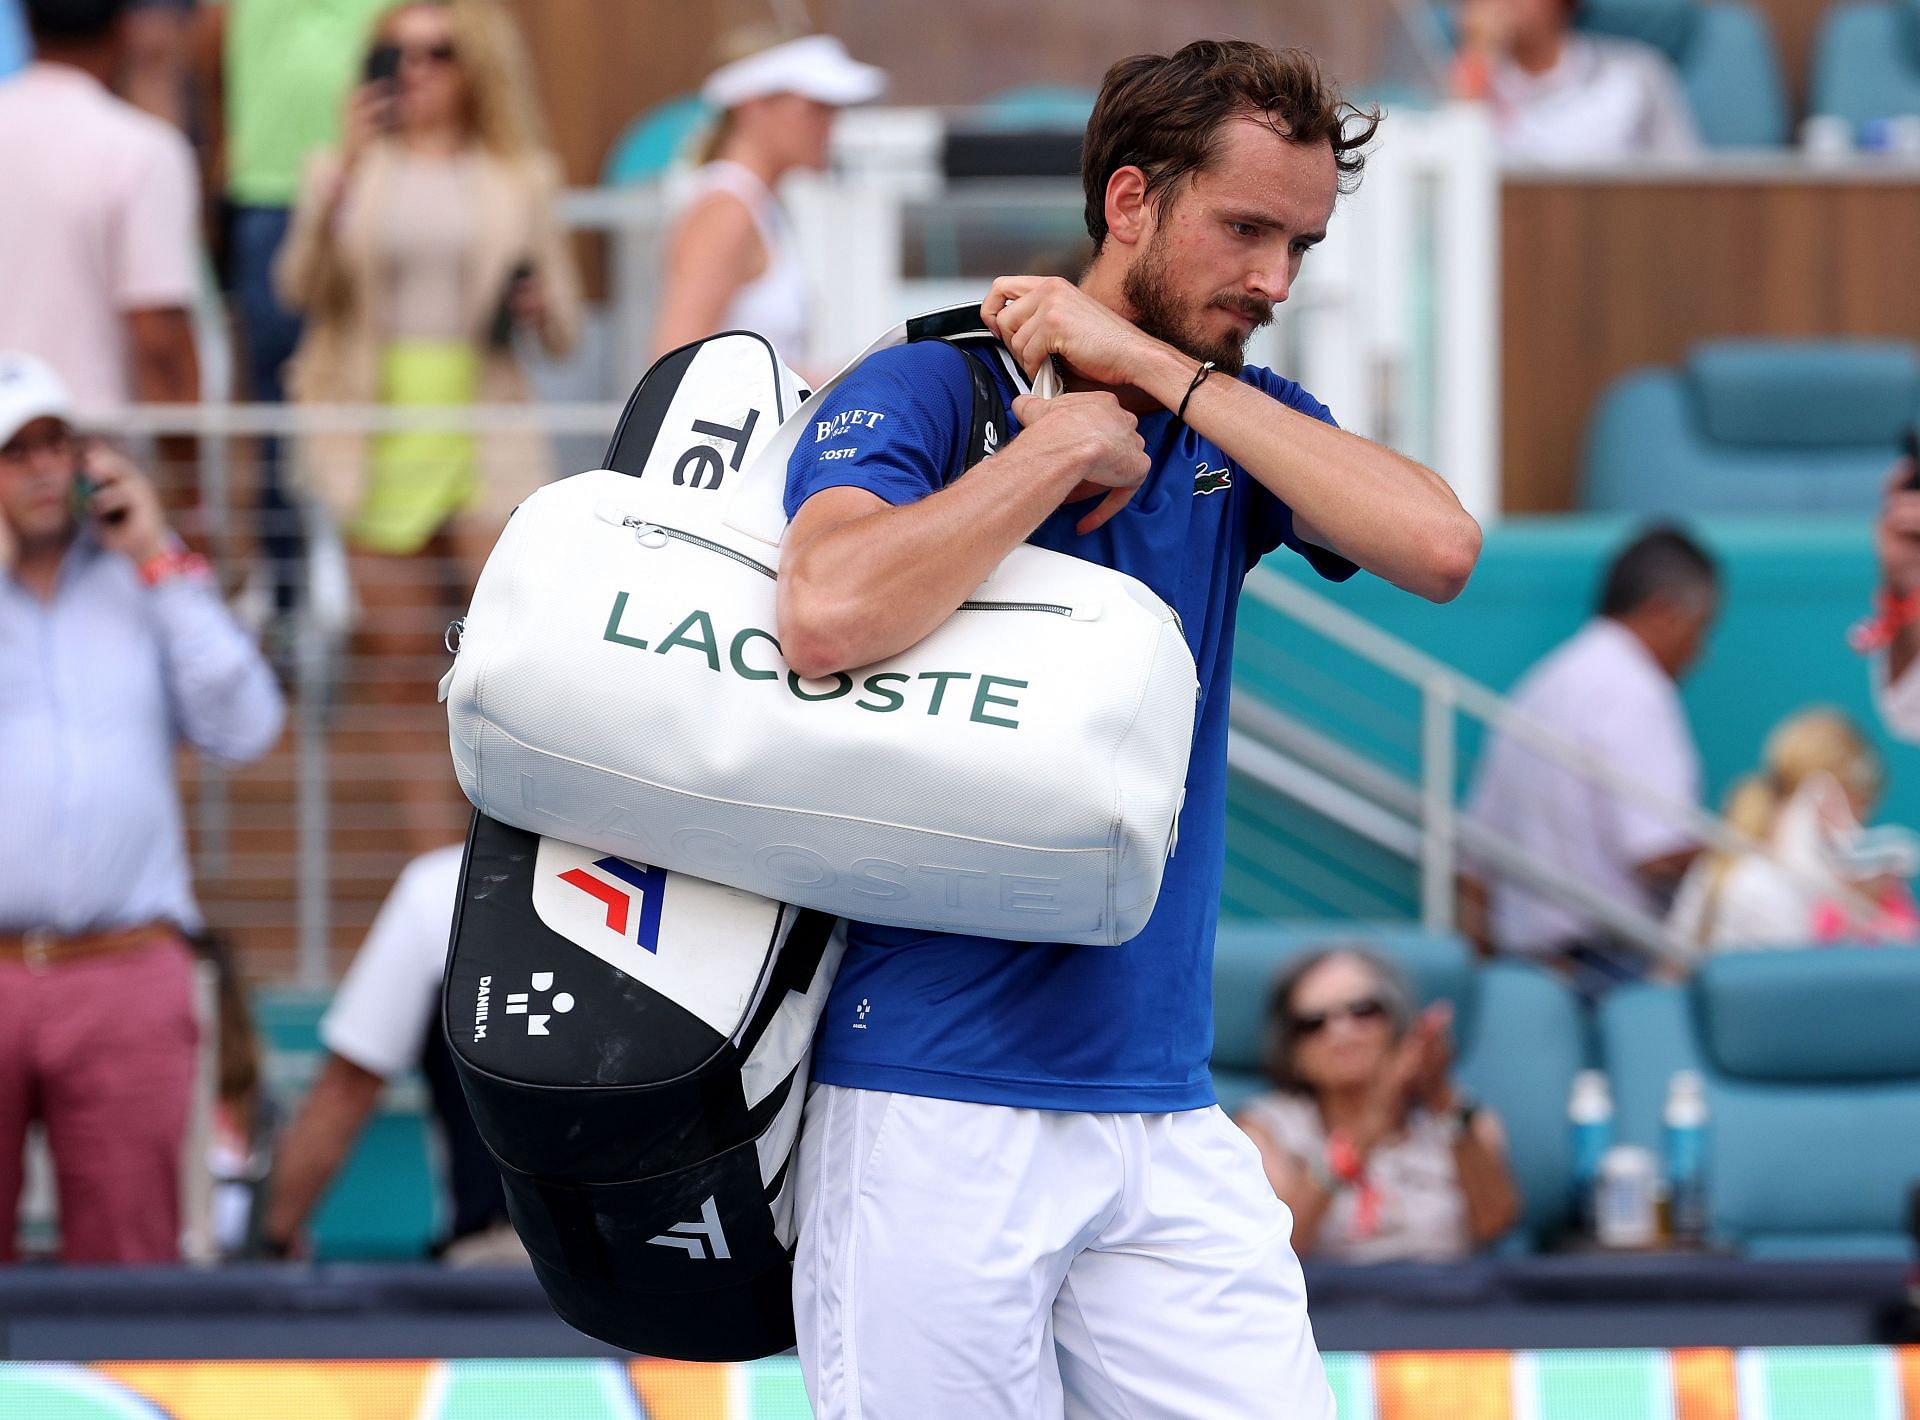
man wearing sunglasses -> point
(114, 648)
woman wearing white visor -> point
(731, 259)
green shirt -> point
(289, 65)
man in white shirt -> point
(1613, 690)
(383, 1021)
(99, 219)
(1561, 96)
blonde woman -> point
(417, 252)
(1817, 876)
(731, 260)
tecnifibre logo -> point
(649, 883)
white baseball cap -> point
(29, 390)
(817, 67)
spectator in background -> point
(99, 221)
(385, 1020)
(1816, 875)
(1365, 1136)
(1892, 635)
(114, 648)
(1560, 96)
(157, 72)
(285, 69)
(416, 252)
(1612, 691)
(732, 263)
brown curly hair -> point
(1164, 114)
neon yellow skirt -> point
(417, 481)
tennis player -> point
(1016, 1196)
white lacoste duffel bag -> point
(619, 685)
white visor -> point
(29, 390)
(817, 67)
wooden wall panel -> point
(1599, 277)
(601, 62)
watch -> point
(1460, 1118)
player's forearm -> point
(323, 1134)
(870, 587)
(1393, 517)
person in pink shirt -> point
(99, 212)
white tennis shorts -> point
(972, 1262)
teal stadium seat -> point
(1725, 57)
(1036, 106)
(649, 145)
(1812, 1066)
(1754, 426)
(1520, 1034)
(1866, 61)
(382, 1205)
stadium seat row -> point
(1754, 426)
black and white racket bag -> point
(633, 1043)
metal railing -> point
(1420, 819)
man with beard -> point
(1015, 1193)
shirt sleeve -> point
(226, 703)
(157, 261)
(893, 427)
(381, 1014)
(1648, 739)
(1270, 521)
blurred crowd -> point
(374, 186)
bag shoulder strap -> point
(757, 508)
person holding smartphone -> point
(420, 250)
(114, 649)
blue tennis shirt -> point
(1126, 1028)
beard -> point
(1160, 312)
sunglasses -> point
(1367, 1008)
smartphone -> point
(80, 497)
(1910, 446)
(80, 500)
(500, 329)
(383, 69)
(383, 64)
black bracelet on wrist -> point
(1199, 377)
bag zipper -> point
(640, 524)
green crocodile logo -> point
(1211, 480)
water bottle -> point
(1685, 1119)
(1590, 1112)
(1628, 1210)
